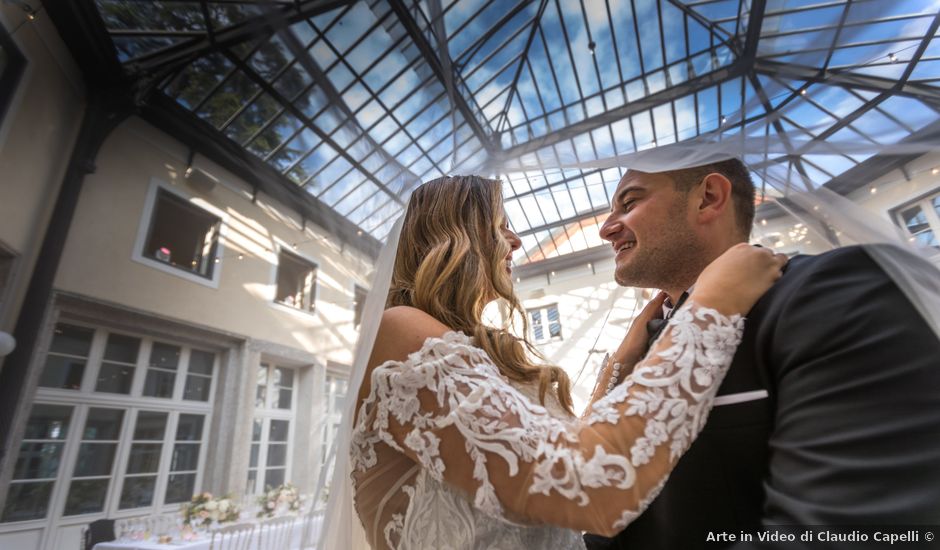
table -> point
(204, 541)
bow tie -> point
(656, 326)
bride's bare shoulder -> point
(403, 330)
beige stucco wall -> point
(98, 259)
(36, 137)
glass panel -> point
(179, 487)
(114, 378)
(185, 457)
(277, 454)
(261, 390)
(86, 496)
(62, 372)
(150, 426)
(285, 377)
(71, 340)
(274, 477)
(253, 456)
(137, 492)
(915, 219)
(554, 323)
(279, 429)
(122, 349)
(27, 501)
(164, 356)
(37, 460)
(159, 383)
(197, 388)
(95, 459)
(144, 458)
(48, 422)
(284, 399)
(927, 238)
(256, 430)
(252, 482)
(189, 427)
(103, 424)
(936, 204)
(200, 362)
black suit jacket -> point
(849, 433)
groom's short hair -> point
(742, 187)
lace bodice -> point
(447, 453)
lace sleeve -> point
(448, 408)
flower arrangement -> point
(283, 499)
(205, 509)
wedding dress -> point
(447, 453)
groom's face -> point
(650, 230)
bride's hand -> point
(734, 281)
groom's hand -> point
(635, 345)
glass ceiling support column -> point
(927, 94)
(411, 26)
(754, 23)
(106, 109)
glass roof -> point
(358, 102)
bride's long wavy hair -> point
(451, 262)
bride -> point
(462, 441)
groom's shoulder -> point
(843, 262)
(835, 271)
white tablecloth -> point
(203, 542)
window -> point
(268, 464)
(170, 371)
(12, 63)
(37, 465)
(182, 235)
(119, 424)
(296, 282)
(921, 219)
(545, 323)
(88, 487)
(359, 297)
(335, 395)
(67, 357)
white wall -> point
(98, 261)
(36, 137)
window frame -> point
(925, 202)
(85, 398)
(146, 223)
(315, 289)
(266, 414)
(543, 311)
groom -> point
(830, 413)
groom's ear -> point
(713, 197)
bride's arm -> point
(447, 407)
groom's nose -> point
(610, 229)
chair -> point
(100, 530)
(276, 534)
(232, 537)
